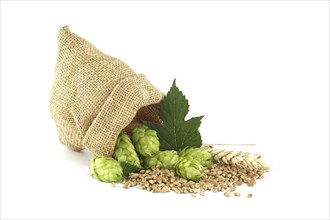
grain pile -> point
(229, 170)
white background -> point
(258, 71)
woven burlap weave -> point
(94, 96)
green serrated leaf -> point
(175, 133)
(129, 168)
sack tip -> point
(65, 28)
(64, 33)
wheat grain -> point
(219, 177)
(242, 160)
(237, 194)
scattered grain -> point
(218, 177)
(227, 194)
(237, 194)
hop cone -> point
(105, 169)
(199, 154)
(125, 152)
(145, 141)
(165, 159)
(189, 169)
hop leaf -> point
(175, 133)
(129, 168)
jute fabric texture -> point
(95, 96)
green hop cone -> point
(199, 154)
(105, 169)
(146, 141)
(189, 169)
(165, 159)
(125, 152)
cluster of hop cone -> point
(142, 150)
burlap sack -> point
(94, 96)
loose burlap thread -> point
(95, 96)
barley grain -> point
(227, 194)
(237, 194)
(218, 177)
